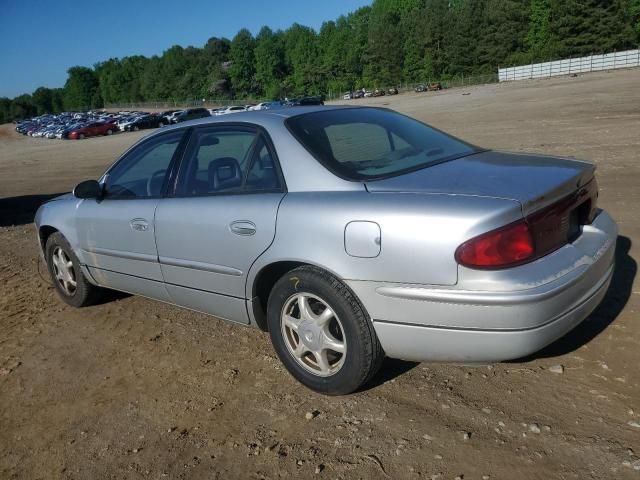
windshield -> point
(369, 143)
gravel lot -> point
(137, 389)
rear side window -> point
(262, 174)
(227, 159)
(370, 143)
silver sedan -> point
(346, 233)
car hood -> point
(534, 181)
(64, 196)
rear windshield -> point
(370, 143)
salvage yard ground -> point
(137, 389)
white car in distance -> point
(232, 109)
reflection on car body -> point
(347, 233)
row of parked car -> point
(428, 87)
(379, 92)
(77, 126)
(363, 93)
(177, 116)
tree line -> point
(381, 45)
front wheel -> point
(321, 332)
(66, 274)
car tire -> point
(160, 124)
(64, 268)
(334, 353)
(81, 136)
(109, 132)
(135, 128)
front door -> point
(222, 217)
(116, 232)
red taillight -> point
(504, 247)
(539, 234)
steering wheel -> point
(151, 182)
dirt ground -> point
(137, 389)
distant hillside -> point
(391, 41)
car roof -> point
(304, 172)
(262, 118)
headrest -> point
(224, 173)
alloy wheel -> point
(313, 334)
(63, 271)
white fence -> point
(592, 63)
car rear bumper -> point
(421, 343)
(421, 323)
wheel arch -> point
(44, 232)
(264, 281)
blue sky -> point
(40, 40)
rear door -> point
(221, 218)
(116, 232)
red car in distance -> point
(92, 130)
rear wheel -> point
(321, 332)
(136, 128)
(81, 136)
(109, 132)
(67, 275)
(160, 124)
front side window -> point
(142, 172)
(370, 143)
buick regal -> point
(346, 233)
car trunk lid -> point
(535, 181)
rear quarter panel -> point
(419, 233)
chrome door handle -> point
(243, 227)
(139, 224)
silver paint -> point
(206, 253)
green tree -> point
(540, 40)
(81, 91)
(466, 37)
(358, 33)
(242, 70)
(582, 27)
(269, 62)
(304, 75)
(374, 46)
(42, 99)
(438, 19)
(57, 100)
(416, 65)
(22, 107)
(342, 45)
(505, 33)
(5, 110)
(215, 56)
(634, 13)
(384, 54)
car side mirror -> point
(88, 189)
